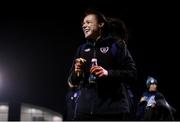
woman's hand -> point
(99, 71)
(79, 65)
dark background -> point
(38, 42)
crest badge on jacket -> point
(104, 49)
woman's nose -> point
(84, 25)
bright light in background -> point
(56, 118)
(36, 111)
(32, 112)
(4, 108)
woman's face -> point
(91, 27)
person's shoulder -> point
(145, 93)
(159, 95)
(82, 45)
(120, 44)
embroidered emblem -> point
(104, 49)
(87, 50)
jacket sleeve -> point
(164, 107)
(74, 80)
(125, 66)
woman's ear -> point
(101, 24)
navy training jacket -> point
(109, 95)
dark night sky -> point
(38, 41)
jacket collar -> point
(92, 42)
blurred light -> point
(4, 108)
(36, 111)
(56, 118)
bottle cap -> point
(94, 60)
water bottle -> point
(92, 77)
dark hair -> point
(100, 17)
(113, 26)
(117, 28)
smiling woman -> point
(37, 43)
(91, 27)
(108, 96)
